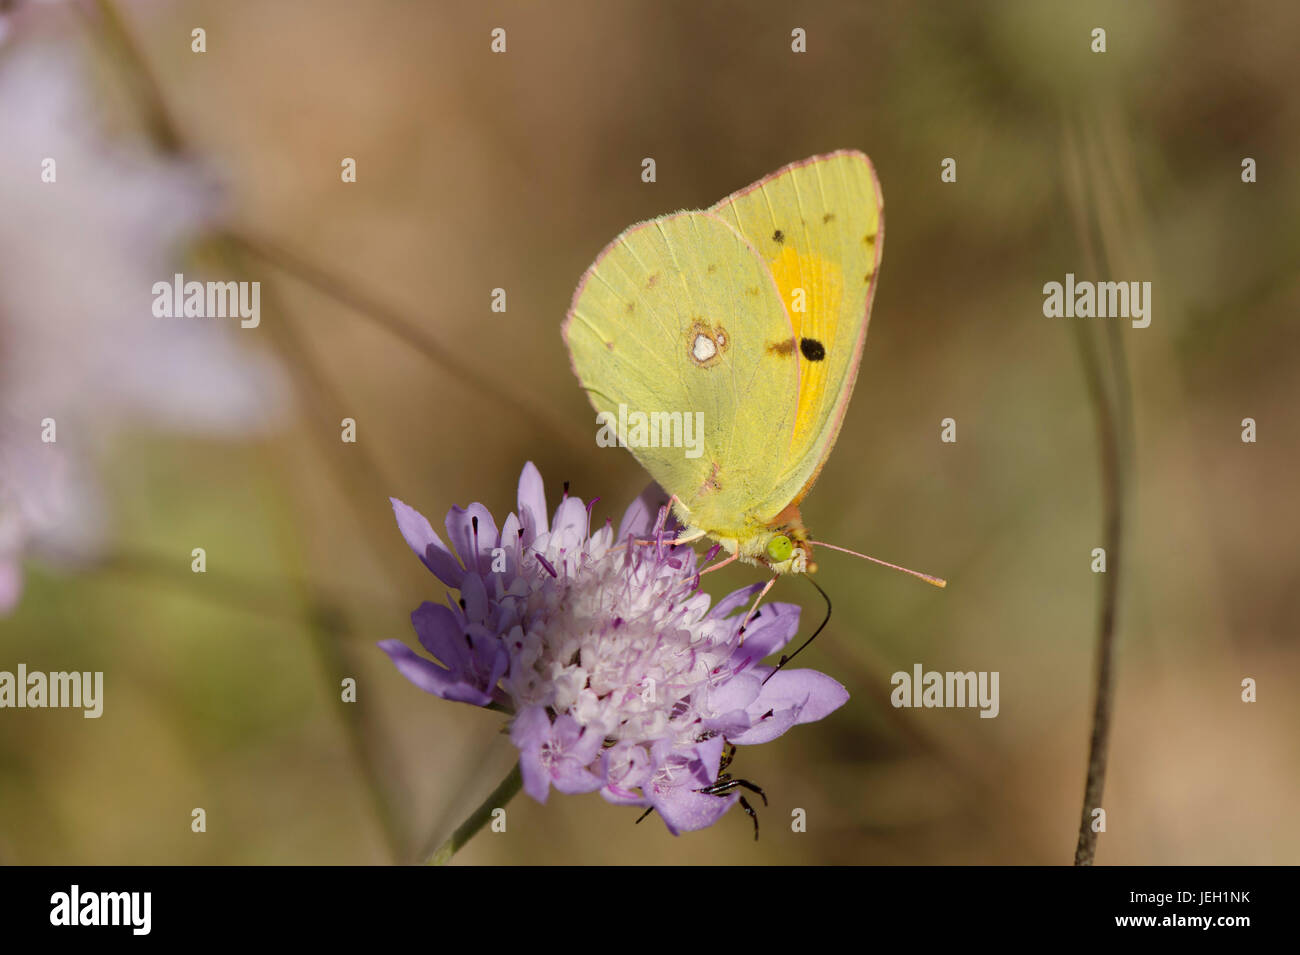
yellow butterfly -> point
(749, 317)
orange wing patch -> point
(812, 289)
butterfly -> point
(748, 317)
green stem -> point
(466, 831)
(1112, 403)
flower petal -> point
(532, 503)
(734, 600)
(510, 543)
(569, 528)
(735, 694)
(430, 677)
(684, 810)
(530, 730)
(474, 596)
(709, 755)
(727, 707)
(639, 518)
(791, 697)
(773, 627)
(626, 770)
(490, 657)
(473, 545)
(555, 754)
(442, 634)
(428, 546)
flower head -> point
(619, 674)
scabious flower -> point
(88, 224)
(619, 676)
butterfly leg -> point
(689, 539)
(754, 609)
(659, 526)
(720, 564)
(664, 512)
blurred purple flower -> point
(79, 343)
(15, 14)
(619, 676)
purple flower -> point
(80, 347)
(619, 675)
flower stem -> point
(466, 831)
(1111, 396)
(405, 329)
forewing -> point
(681, 315)
(819, 225)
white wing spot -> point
(706, 343)
(704, 348)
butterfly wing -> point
(819, 226)
(681, 315)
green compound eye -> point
(780, 548)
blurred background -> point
(478, 171)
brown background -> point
(479, 170)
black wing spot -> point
(812, 349)
(778, 236)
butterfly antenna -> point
(936, 581)
(803, 646)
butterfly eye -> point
(780, 548)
